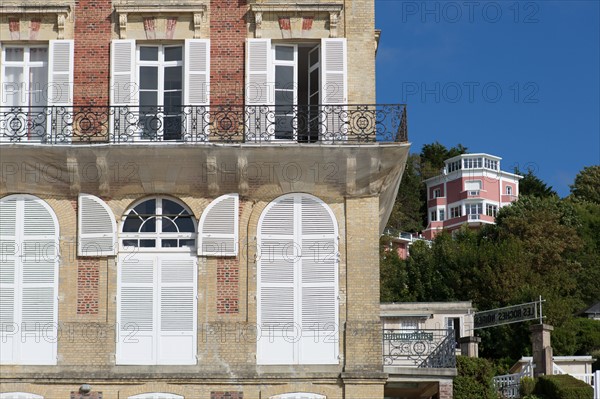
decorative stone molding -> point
(197, 10)
(334, 11)
(40, 9)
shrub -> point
(563, 386)
(474, 379)
(527, 386)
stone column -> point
(469, 346)
(542, 350)
(445, 390)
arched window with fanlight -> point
(157, 284)
(160, 223)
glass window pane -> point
(168, 226)
(149, 226)
(14, 54)
(173, 53)
(284, 98)
(171, 208)
(284, 53)
(147, 243)
(148, 53)
(187, 243)
(314, 81)
(284, 77)
(38, 54)
(148, 100)
(172, 102)
(173, 78)
(313, 57)
(146, 208)
(38, 87)
(185, 224)
(132, 224)
(130, 243)
(13, 85)
(148, 78)
(169, 243)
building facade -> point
(470, 190)
(181, 182)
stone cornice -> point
(333, 9)
(123, 10)
(60, 11)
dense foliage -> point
(563, 386)
(473, 379)
(540, 245)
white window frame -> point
(455, 212)
(441, 214)
(274, 64)
(436, 193)
(491, 209)
(20, 395)
(509, 190)
(157, 236)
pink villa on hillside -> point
(470, 190)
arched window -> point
(298, 282)
(28, 281)
(509, 190)
(156, 395)
(20, 395)
(158, 223)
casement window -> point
(28, 281)
(472, 163)
(491, 210)
(218, 227)
(453, 166)
(296, 91)
(509, 190)
(454, 324)
(491, 164)
(156, 285)
(20, 395)
(34, 77)
(433, 216)
(436, 193)
(442, 215)
(160, 91)
(473, 187)
(298, 282)
(474, 210)
(455, 212)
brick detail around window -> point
(92, 46)
(227, 395)
(228, 278)
(88, 278)
(227, 40)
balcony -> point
(324, 124)
(419, 348)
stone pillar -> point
(542, 350)
(445, 390)
(469, 346)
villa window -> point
(509, 190)
(491, 210)
(160, 91)
(442, 215)
(437, 193)
(455, 212)
(474, 210)
(296, 91)
(34, 77)
(433, 216)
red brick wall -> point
(227, 43)
(92, 44)
(226, 395)
(88, 276)
(228, 277)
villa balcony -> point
(319, 124)
(419, 349)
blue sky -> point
(517, 79)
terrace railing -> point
(419, 348)
(328, 124)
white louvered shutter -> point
(197, 83)
(60, 61)
(123, 88)
(97, 228)
(29, 274)
(318, 284)
(260, 90)
(335, 88)
(19, 395)
(8, 280)
(177, 310)
(218, 227)
(60, 87)
(277, 284)
(136, 308)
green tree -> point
(532, 185)
(587, 184)
(406, 213)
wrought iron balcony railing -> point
(419, 348)
(217, 123)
